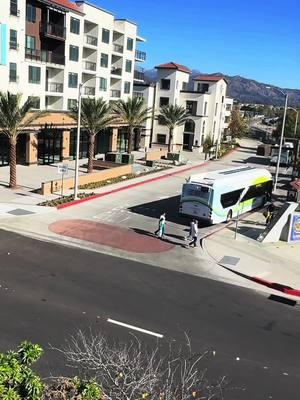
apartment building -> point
(47, 49)
(205, 99)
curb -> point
(132, 185)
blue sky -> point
(256, 39)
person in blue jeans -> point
(194, 233)
(161, 226)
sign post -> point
(62, 169)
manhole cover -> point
(229, 260)
(20, 211)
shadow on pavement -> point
(164, 239)
(154, 209)
(254, 160)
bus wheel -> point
(229, 216)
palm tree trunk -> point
(91, 151)
(130, 139)
(170, 140)
(12, 162)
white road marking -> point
(135, 328)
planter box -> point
(150, 163)
(114, 157)
(174, 156)
(127, 158)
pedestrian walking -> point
(161, 226)
(194, 233)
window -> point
(30, 42)
(128, 67)
(127, 87)
(202, 192)
(205, 108)
(228, 107)
(161, 139)
(35, 102)
(30, 13)
(216, 109)
(231, 198)
(34, 75)
(104, 60)
(13, 41)
(227, 120)
(14, 8)
(163, 101)
(165, 84)
(75, 25)
(12, 72)
(105, 35)
(191, 107)
(129, 44)
(184, 85)
(74, 53)
(214, 128)
(258, 190)
(72, 103)
(103, 85)
(203, 87)
(73, 80)
(203, 128)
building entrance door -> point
(4, 150)
(21, 148)
(122, 141)
(188, 140)
(49, 146)
(83, 146)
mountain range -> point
(246, 90)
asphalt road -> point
(48, 292)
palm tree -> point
(133, 113)
(14, 118)
(95, 116)
(173, 116)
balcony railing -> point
(115, 93)
(89, 66)
(89, 91)
(91, 40)
(44, 56)
(140, 55)
(118, 48)
(55, 87)
(139, 75)
(53, 30)
(116, 71)
(138, 94)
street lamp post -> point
(281, 136)
(77, 141)
(219, 132)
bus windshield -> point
(202, 192)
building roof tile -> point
(210, 78)
(172, 65)
(66, 4)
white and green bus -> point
(219, 196)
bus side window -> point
(231, 198)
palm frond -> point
(133, 112)
(173, 115)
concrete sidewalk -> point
(272, 262)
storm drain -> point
(20, 211)
(283, 300)
(228, 260)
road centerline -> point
(135, 328)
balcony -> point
(116, 71)
(139, 75)
(44, 56)
(91, 40)
(115, 93)
(13, 45)
(118, 48)
(89, 66)
(140, 55)
(89, 91)
(53, 30)
(14, 9)
(55, 87)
